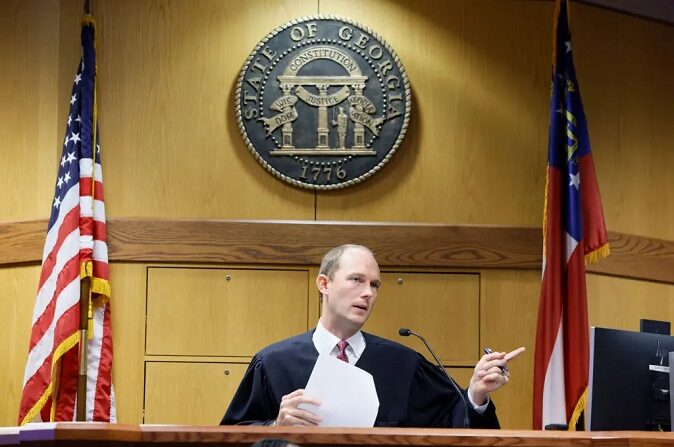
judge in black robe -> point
(412, 392)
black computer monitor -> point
(629, 380)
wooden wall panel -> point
(442, 307)
(17, 297)
(475, 150)
(508, 314)
(625, 68)
(69, 56)
(28, 157)
(619, 303)
(171, 145)
(28, 80)
(128, 332)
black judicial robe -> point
(412, 392)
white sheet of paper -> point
(347, 394)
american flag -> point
(574, 233)
(75, 248)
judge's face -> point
(349, 296)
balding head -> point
(330, 262)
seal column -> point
(322, 117)
(358, 129)
(287, 129)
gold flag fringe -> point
(578, 411)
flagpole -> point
(85, 288)
(82, 376)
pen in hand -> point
(503, 369)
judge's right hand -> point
(289, 414)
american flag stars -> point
(69, 168)
(69, 164)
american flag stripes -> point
(75, 248)
(573, 233)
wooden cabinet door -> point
(223, 312)
(189, 393)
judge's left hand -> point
(488, 376)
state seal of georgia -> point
(323, 102)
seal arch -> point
(355, 80)
(322, 52)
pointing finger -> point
(512, 354)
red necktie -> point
(341, 345)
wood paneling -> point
(637, 257)
(619, 303)
(22, 241)
(223, 312)
(17, 297)
(624, 66)
(69, 56)
(128, 331)
(473, 153)
(302, 242)
(67, 434)
(171, 146)
(508, 314)
(475, 150)
(28, 94)
(443, 308)
(189, 393)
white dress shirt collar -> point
(326, 343)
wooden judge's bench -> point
(100, 435)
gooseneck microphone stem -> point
(406, 333)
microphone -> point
(406, 333)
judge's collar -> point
(325, 341)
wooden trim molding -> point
(73, 434)
(22, 242)
(304, 242)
